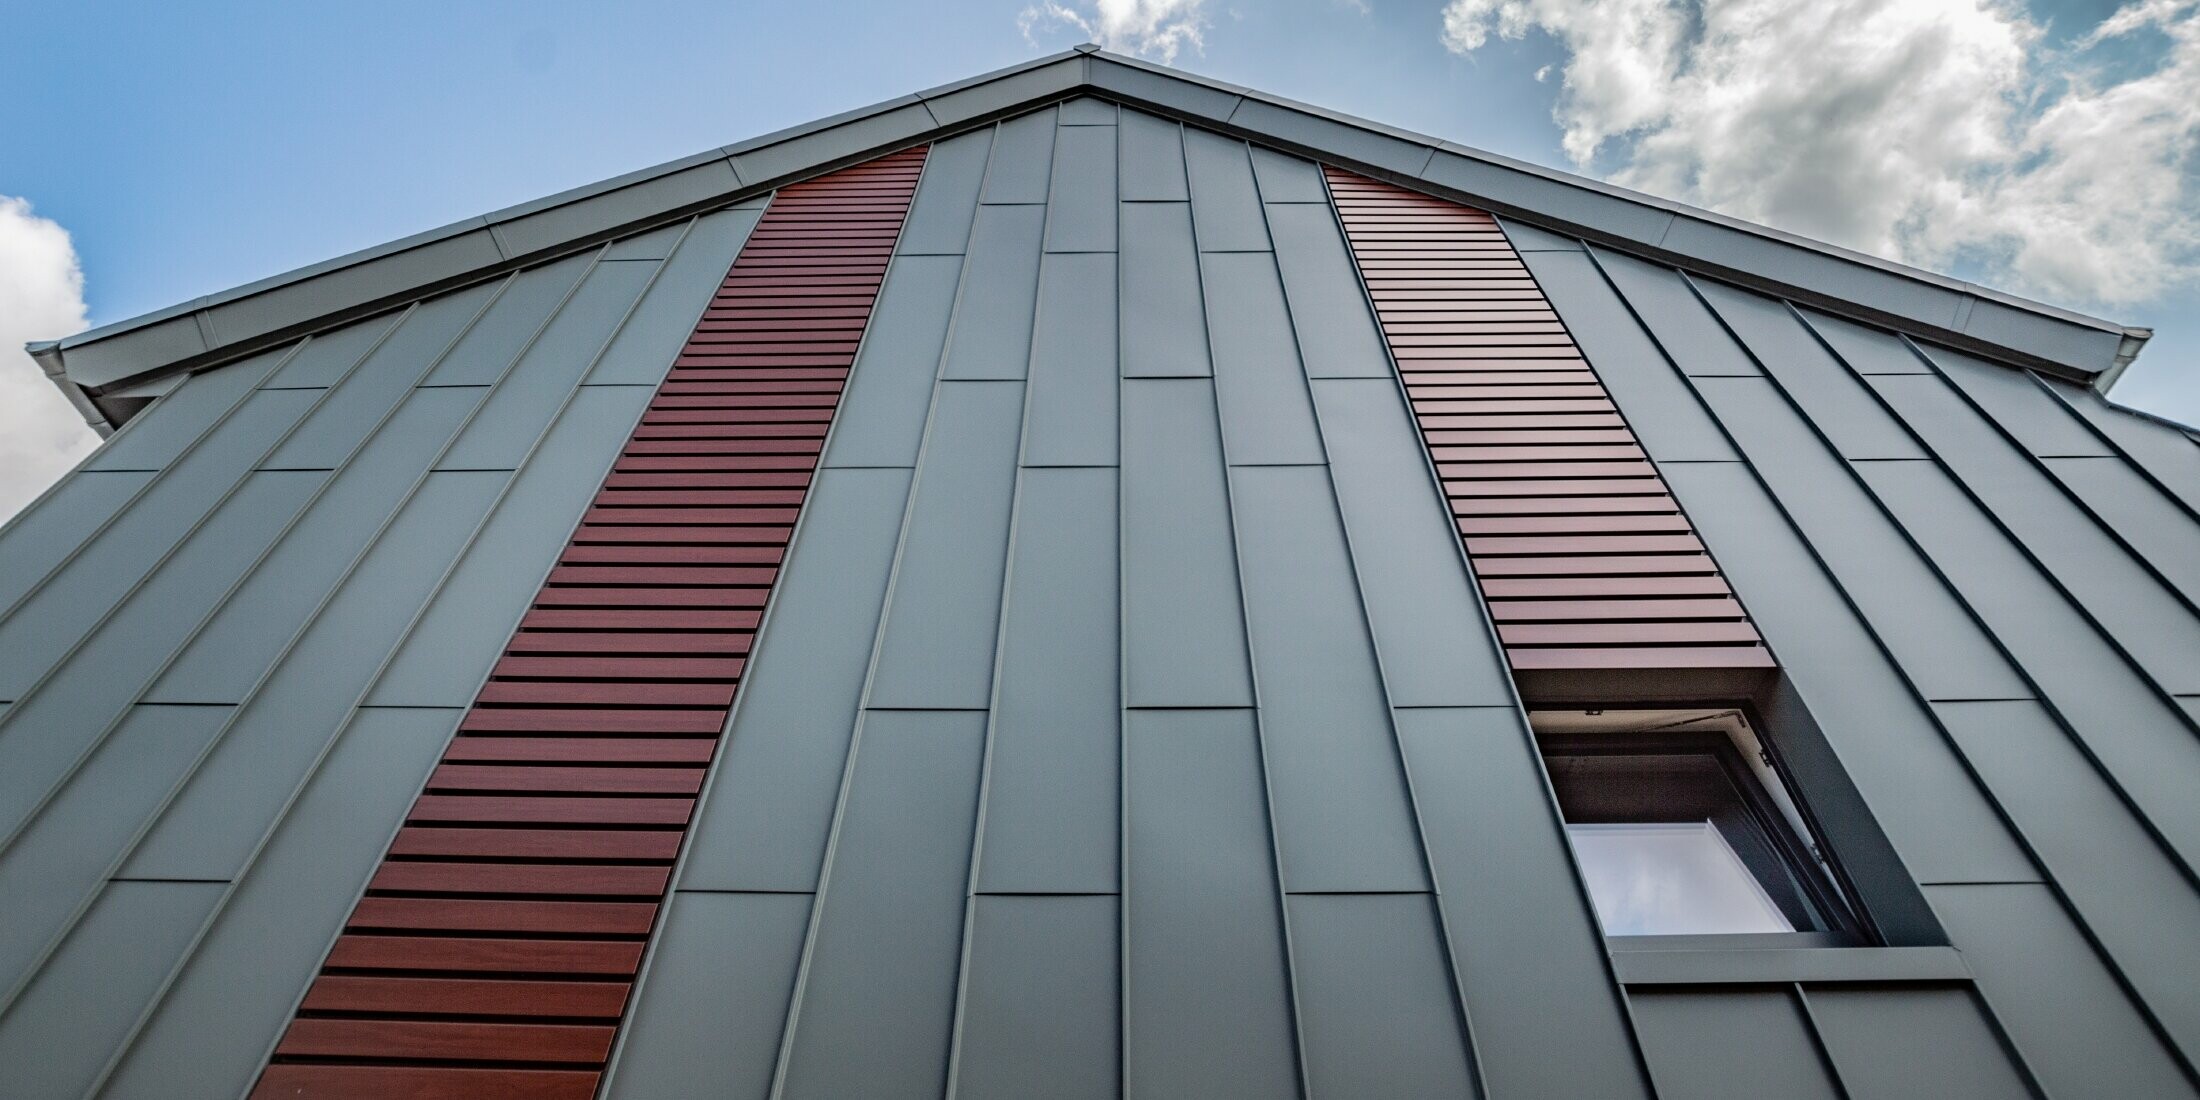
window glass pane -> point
(1670, 879)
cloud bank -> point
(41, 298)
(1934, 131)
(1155, 29)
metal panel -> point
(1285, 178)
(1932, 1044)
(991, 336)
(209, 1031)
(1023, 150)
(1225, 201)
(1052, 787)
(327, 357)
(1081, 207)
(39, 539)
(1420, 598)
(1267, 414)
(1528, 238)
(1153, 158)
(1163, 333)
(447, 655)
(877, 998)
(1344, 821)
(1071, 413)
(2077, 1029)
(1376, 995)
(2170, 457)
(707, 1022)
(1184, 635)
(163, 432)
(1730, 1044)
(1530, 960)
(2016, 402)
(1087, 110)
(502, 333)
(1328, 309)
(389, 275)
(764, 825)
(682, 188)
(59, 1035)
(2141, 517)
(937, 646)
(1161, 88)
(1208, 1007)
(1039, 1014)
(803, 153)
(1291, 125)
(651, 336)
(947, 197)
(656, 244)
(1034, 81)
(1833, 400)
(1669, 309)
(355, 409)
(523, 403)
(1865, 350)
(890, 392)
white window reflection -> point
(1670, 879)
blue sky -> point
(189, 148)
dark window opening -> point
(1682, 827)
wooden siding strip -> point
(529, 874)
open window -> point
(1682, 826)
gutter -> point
(2135, 339)
(48, 355)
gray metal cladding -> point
(1040, 994)
(1936, 1043)
(1731, 1043)
(1183, 630)
(723, 974)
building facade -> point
(1089, 582)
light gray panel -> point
(252, 626)
(1336, 328)
(652, 336)
(2169, 456)
(2133, 897)
(1007, 90)
(764, 823)
(1164, 335)
(1285, 178)
(1081, 209)
(2014, 401)
(48, 731)
(937, 647)
(2140, 515)
(2077, 1030)
(1384, 149)
(1023, 148)
(1052, 795)
(160, 435)
(2142, 614)
(210, 1032)
(1039, 1001)
(991, 337)
(1546, 1016)
(1376, 997)
(1184, 634)
(522, 405)
(878, 991)
(59, 860)
(707, 1019)
(882, 412)
(1086, 110)
(2139, 740)
(875, 132)
(1421, 601)
(1527, 238)
(1267, 415)
(390, 272)
(1157, 86)
(1834, 400)
(1225, 202)
(1653, 398)
(1664, 303)
(445, 659)
(211, 827)
(1935, 640)
(328, 356)
(58, 1036)
(1153, 158)
(1866, 350)
(1730, 1044)
(685, 184)
(1072, 409)
(356, 407)
(938, 223)
(1208, 1010)
(503, 332)
(1344, 820)
(657, 244)
(39, 538)
(1931, 1044)
(74, 597)
(1929, 808)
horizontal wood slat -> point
(1585, 558)
(493, 952)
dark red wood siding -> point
(1584, 557)
(493, 952)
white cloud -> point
(1933, 131)
(1154, 29)
(41, 298)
